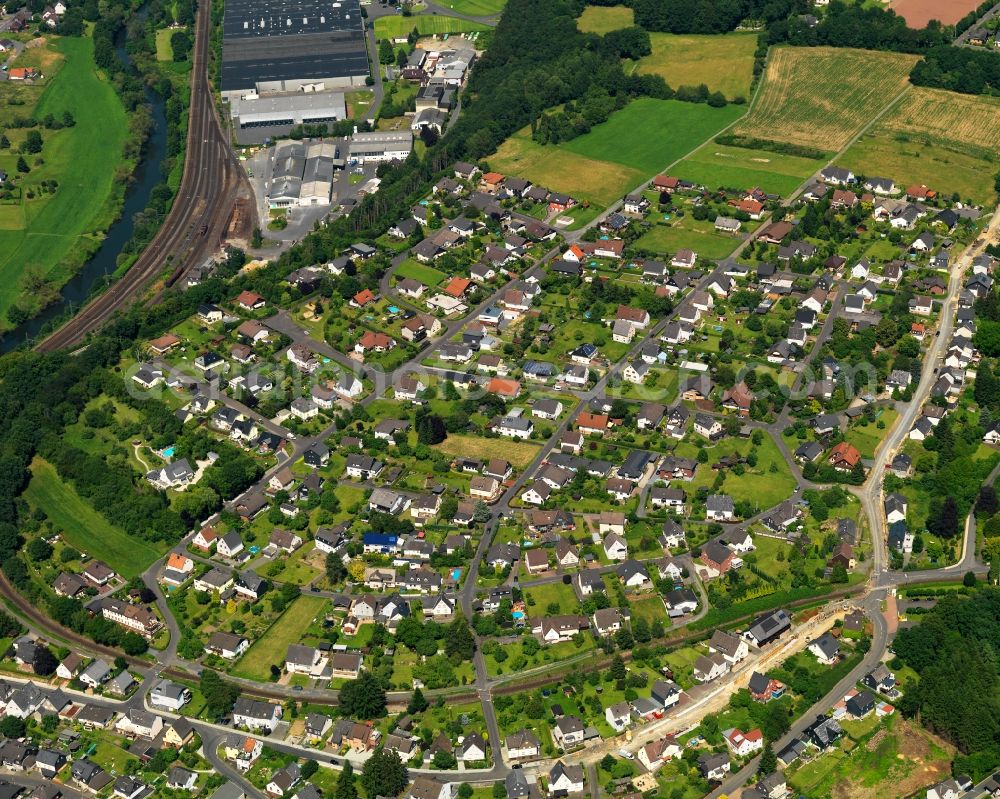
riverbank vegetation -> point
(61, 197)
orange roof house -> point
(164, 343)
(179, 562)
(491, 181)
(508, 389)
(363, 298)
(844, 457)
(920, 192)
(376, 341)
(751, 207)
(665, 182)
(592, 422)
(250, 300)
(457, 287)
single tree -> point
(768, 760)
(346, 788)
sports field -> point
(289, 628)
(426, 25)
(603, 19)
(49, 236)
(822, 96)
(475, 8)
(723, 63)
(716, 165)
(942, 139)
(83, 527)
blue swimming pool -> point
(168, 452)
(518, 614)
(456, 574)
(393, 309)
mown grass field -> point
(426, 24)
(822, 96)
(616, 156)
(49, 236)
(942, 139)
(688, 233)
(289, 628)
(649, 134)
(557, 169)
(716, 165)
(723, 63)
(83, 527)
(164, 51)
(603, 19)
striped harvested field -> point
(822, 96)
(945, 140)
(967, 120)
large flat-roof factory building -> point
(380, 145)
(256, 118)
(275, 46)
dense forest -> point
(854, 25)
(954, 652)
(959, 69)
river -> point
(105, 261)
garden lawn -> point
(867, 437)
(83, 527)
(54, 235)
(289, 628)
(688, 233)
(543, 595)
(397, 25)
(716, 165)
(649, 134)
(724, 63)
(518, 453)
(603, 19)
(295, 568)
(650, 608)
(427, 275)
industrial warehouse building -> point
(389, 145)
(257, 118)
(302, 173)
(273, 46)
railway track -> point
(197, 219)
